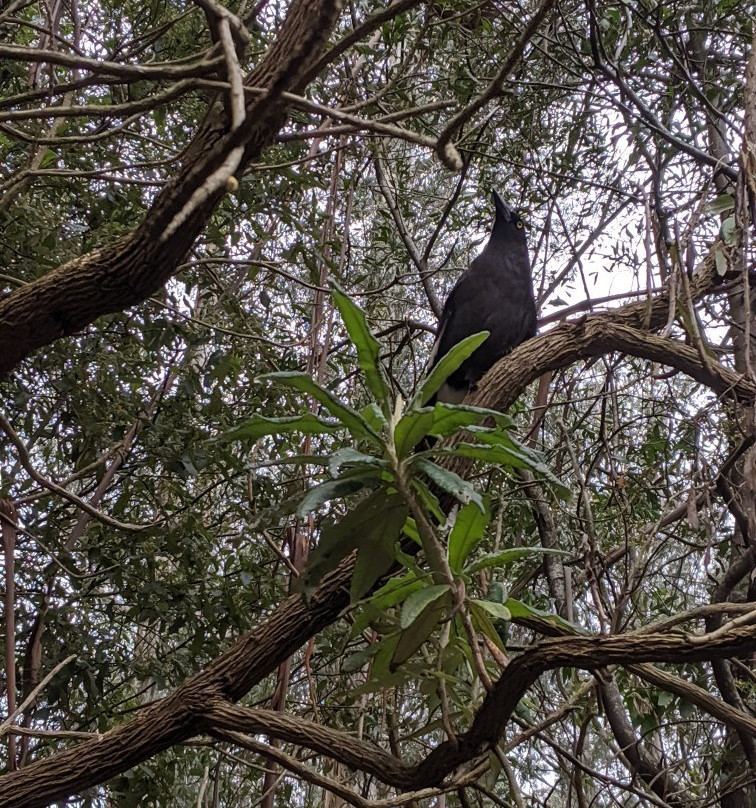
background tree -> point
(180, 184)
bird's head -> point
(508, 222)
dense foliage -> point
(183, 460)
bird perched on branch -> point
(496, 295)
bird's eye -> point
(520, 225)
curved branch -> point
(341, 746)
(587, 653)
(494, 88)
(626, 329)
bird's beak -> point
(502, 209)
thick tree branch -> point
(341, 746)
(625, 329)
(587, 653)
(131, 269)
(181, 715)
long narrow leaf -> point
(339, 538)
(423, 624)
(258, 426)
(375, 553)
(354, 459)
(509, 556)
(448, 364)
(482, 621)
(411, 429)
(518, 609)
(450, 482)
(511, 458)
(418, 601)
(350, 418)
(334, 489)
(520, 453)
(367, 346)
(449, 418)
(469, 528)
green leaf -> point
(506, 557)
(410, 530)
(338, 539)
(727, 230)
(429, 500)
(495, 454)
(497, 592)
(367, 346)
(449, 481)
(353, 458)
(721, 204)
(350, 418)
(449, 418)
(333, 489)
(259, 426)
(397, 590)
(374, 417)
(411, 429)
(49, 158)
(382, 673)
(483, 622)
(512, 453)
(417, 602)
(447, 365)
(355, 662)
(497, 610)
(392, 593)
(519, 609)
(469, 528)
(376, 552)
(418, 631)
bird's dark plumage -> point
(495, 294)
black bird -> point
(496, 295)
